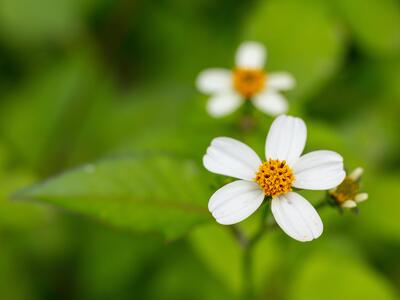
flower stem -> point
(240, 236)
(248, 244)
(247, 121)
(247, 256)
(247, 272)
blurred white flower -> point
(248, 81)
(347, 194)
(283, 169)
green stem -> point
(248, 244)
(262, 228)
(247, 121)
(247, 259)
(240, 236)
(247, 272)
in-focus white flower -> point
(347, 194)
(283, 169)
(247, 81)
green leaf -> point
(148, 193)
(375, 24)
(334, 276)
(17, 216)
(301, 37)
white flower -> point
(283, 169)
(347, 194)
(248, 81)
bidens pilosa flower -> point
(246, 82)
(347, 194)
(284, 168)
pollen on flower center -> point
(347, 190)
(275, 177)
(249, 82)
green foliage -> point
(148, 193)
(113, 82)
(105, 276)
(41, 120)
(381, 34)
(182, 276)
(312, 53)
(218, 249)
(27, 21)
(380, 215)
(335, 276)
(15, 285)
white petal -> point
(280, 81)
(349, 204)
(214, 80)
(297, 217)
(319, 170)
(271, 103)
(223, 104)
(251, 55)
(286, 139)
(356, 174)
(230, 157)
(361, 197)
(235, 201)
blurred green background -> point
(109, 85)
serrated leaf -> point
(148, 193)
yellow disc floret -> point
(347, 190)
(275, 177)
(248, 82)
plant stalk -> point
(248, 244)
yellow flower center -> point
(275, 177)
(248, 82)
(347, 190)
